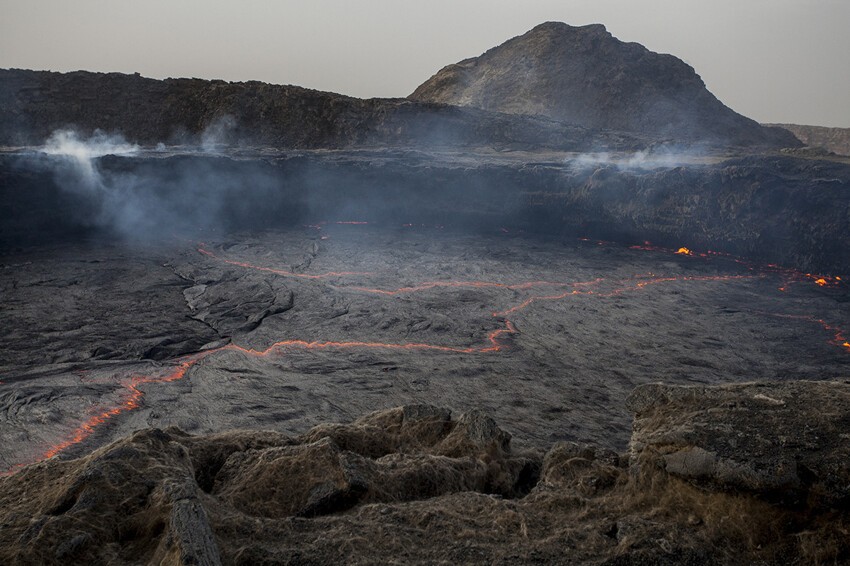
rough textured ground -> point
(262, 330)
(836, 140)
(776, 209)
(742, 474)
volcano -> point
(252, 317)
(585, 76)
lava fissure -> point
(131, 400)
(838, 337)
(281, 272)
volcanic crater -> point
(289, 329)
(241, 336)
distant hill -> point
(836, 140)
(585, 76)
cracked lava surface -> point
(283, 330)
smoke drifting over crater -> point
(664, 158)
(149, 195)
(68, 143)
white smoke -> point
(218, 134)
(149, 199)
(83, 152)
(68, 142)
(646, 159)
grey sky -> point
(772, 60)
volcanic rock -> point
(835, 140)
(216, 114)
(585, 76)
(786, 439)
(778, 209)
(722, 475)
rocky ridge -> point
(33, 104)
(585, 76)
(753, 472)
(776, 209)
(835, 140)
(555, 87)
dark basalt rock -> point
(786, 440)
(585, 76)
(777, 209)
(33, 104)
(819, 139)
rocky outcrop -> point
(836, 140)
(787, 441)
(157, 496)
(745, 473)
(585, 76)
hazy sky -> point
(772, 60)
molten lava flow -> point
(629, 285)
(131, 400)
(202, 249)
(457, 285)
(838, 338)
(492, 339)
(790, 275)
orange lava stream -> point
(206, 252)
(838, 338)
(791, 275)
(132, 399)
(459, 284)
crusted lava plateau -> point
(238, 331)
(286, 330)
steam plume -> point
(82, 153)
(646, 159)
(155, 198)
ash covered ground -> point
(287, 329)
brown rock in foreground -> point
(789, 441)
(748, 473)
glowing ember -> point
(684, 251)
